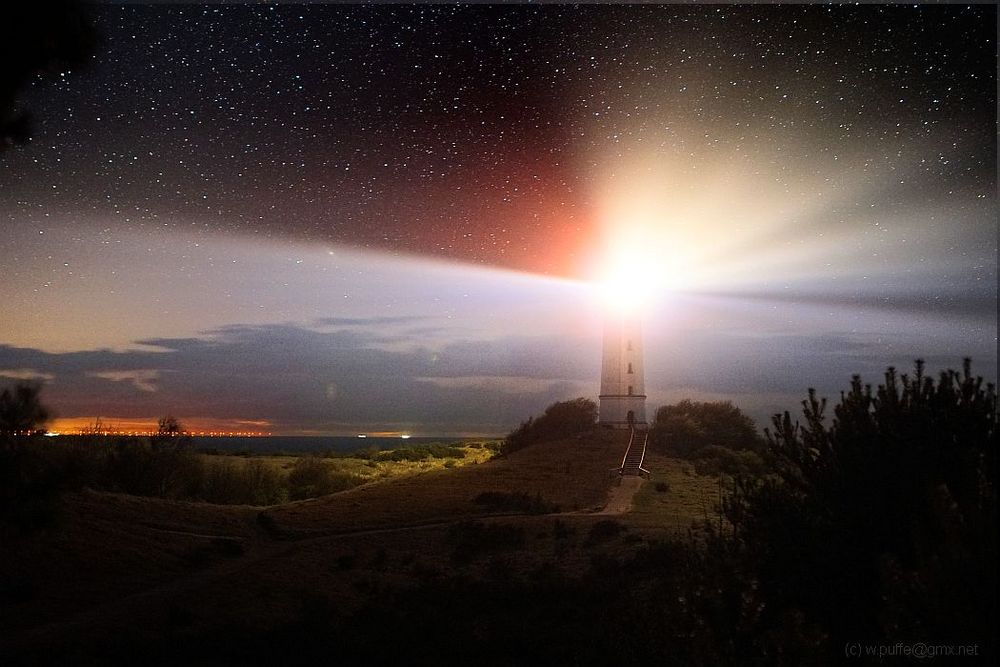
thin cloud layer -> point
(364, 376)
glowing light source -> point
(632, 276)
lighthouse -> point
(623, 390)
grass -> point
(689, 498)
(572, 474)
(290, 475)
(118, 561)
(363, 466)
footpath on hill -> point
(621, 495)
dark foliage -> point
(35, 470)
(29, 483)
(237, 482)
(37, 39)
(877, 527)
(502, 501)
(420, 453)
(312, 477)
(165, 467)
(666, 600)
(21, 410)
(560, 420)
(715, 460)
(684, 428)
(881, 525)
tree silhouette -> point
(881, 525)
(169, 426)
(37, 39)
(29, 484)
(21, 410)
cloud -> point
(143, 379)
(347, 380)
(511, 384)
(975, 304)
(367, 321)
(25, 374)
(296, 378)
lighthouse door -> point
(631, 417)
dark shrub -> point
(880, 525)
(312, 477)
(560, 420)
(688, 426)
(235, 481)
(142, 467)
(21, 410)
(264, 484)
(715, 460)
(224, 483)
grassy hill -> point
(568, 475)
(170, 571)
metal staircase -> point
(635, 454)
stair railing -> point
(642, 459)
(631, 439)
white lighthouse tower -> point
(623, 390)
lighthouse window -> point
(630, 390)
(630, 367)
(629, 345)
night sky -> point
(335, 219)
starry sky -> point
(332, 219)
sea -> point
(310, 444)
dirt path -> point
(620, 498)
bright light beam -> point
(632, 276)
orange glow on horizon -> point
(148, 426)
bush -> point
(495, 446)
(312, 477)
(684, 428)
(715, 460)
(880, 525)
(560, 420)
(265, 482)
(150, 468)
(225, 484)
